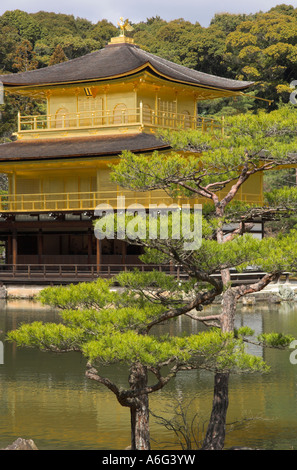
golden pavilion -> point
(97, 105)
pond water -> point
(46, 397)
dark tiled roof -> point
(117, 60)
(48, 149)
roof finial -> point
(124, 26)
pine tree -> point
(215, 169)
(25, 58)
(58, 56)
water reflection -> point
(46, 397)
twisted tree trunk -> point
(136, 398)
(139, 410)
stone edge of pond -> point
(272, 294)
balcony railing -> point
(79, 201)
(88, 201)
(66, 273)
(108, 120)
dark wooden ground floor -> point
(62, 248)
(60, 240)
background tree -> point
(102, 32)
(25, 24)
(215, 170)
(263, 49)
(58, 56)
(25, 57)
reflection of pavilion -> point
(97, 105)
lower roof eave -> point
(79, 147)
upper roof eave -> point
(18, 87)
(114, 62)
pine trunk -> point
(216, 431)
(140, 433)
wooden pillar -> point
(13, 190)
(195, 112)
(14, 248)
(9, 250)
(40, 246)
(98, 193)
(89, 245)
(98, 254)
(124, 252)
(6, 252)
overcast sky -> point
(94, 10)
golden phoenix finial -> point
(124, 26)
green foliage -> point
(129, 347)
(90, 295)
(244, 331)
(287, 196)
(275, 340)
(208, 350)
(58, 56)
(249, 140)
(253, 143)
(103, 342)
(266, 51)
(46, 31)
(102, 32)
(104, 334)
(275, 254)
(151, 280)
(25, 57)
(113, 320)
(26, 26)
(49, 337)
(275, 179)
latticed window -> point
(167, 106)
(90, 110)
(90, 104)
